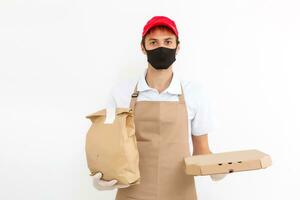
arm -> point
(201, 125)
(200, 144)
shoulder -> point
(122, 90)
(191, 85)
(123, 85)
(194, 90)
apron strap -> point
(181, 96)
(134, 96)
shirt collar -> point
(174, 87)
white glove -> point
(217, 177)
(106, 185)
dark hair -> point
(161, 27)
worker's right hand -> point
(217, 177)
(100, 184)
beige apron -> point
(162, 138)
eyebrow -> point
(169, 38)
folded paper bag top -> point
(227, 162)
(104, 113)
(111, 148)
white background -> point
(59, 58)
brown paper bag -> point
(111, 148)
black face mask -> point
(162, 57)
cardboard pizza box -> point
(227, 162)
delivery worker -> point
(167, 112)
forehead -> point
(159, 33)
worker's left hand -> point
(217, 177)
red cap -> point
(160, 20)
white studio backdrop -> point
(59, 59)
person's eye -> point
(152, 42)
(169, 42)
